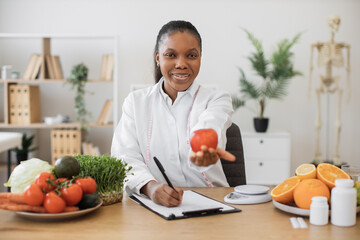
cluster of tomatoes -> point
(57, 193)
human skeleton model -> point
(329, 55)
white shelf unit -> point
(267, 157)
(65, 41)
(83, 37)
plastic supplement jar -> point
(343, 203)
(319, 211)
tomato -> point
(33, 195)
(60, 180)
(88, 185)
(72, 194)
(54, 203)
(46, 181)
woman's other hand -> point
(163, 194)
(208, 156)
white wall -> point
(225, 48)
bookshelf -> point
(46, 76)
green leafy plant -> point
(275, 74)
(78, 80)
(26, 143)
(109, 174)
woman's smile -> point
(180, 76)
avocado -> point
(88, 201)
(67, 167)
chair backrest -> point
(234, 171)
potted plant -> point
(23, 152)
(275, 74)
(78, 80)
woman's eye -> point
(169, 55)
(191, 55)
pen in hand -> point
(162, 170)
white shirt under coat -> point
(169, 140)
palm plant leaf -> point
(281, 60)
(248, 89)
(257, 59)
(276, 89)
(237, 102)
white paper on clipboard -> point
(191, 202)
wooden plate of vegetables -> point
(53, 194)
(58, 216)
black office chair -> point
(234, 171)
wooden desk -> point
(128, 220)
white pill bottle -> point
(343, 203)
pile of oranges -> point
(309, 181)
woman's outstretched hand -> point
(208, 156)
(163, 194)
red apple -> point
(207, 137)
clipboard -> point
(193, 204)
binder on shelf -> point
(36, 70)
(12, 103)
(107, 68)
(57, 67)
(103, 68)
(105, 112)
(23, 104)
(30, 67)
(54, 145)
(50, 67)
(90, 149)
(65, 142)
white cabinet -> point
(267, 157)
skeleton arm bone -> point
(310, 70)
(347, 46)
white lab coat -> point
(151, 125)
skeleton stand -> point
(330, 54)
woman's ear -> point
(157, 59)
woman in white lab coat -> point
(158, 122)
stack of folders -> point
(65, 142)
(24, 104)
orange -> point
(327, 173)
(307, 189)
(306, 171)
(283, 193)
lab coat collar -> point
(191, 90)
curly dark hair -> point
(167, 29)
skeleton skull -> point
(334, 22)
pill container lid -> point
(347, 183)
(319, 199)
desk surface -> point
(9, 140)
(128, 220)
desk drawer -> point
(265, 172)
(267, 147)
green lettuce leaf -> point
(25, 173)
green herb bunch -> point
(78, 80)
(109, 174)
(275, 73)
